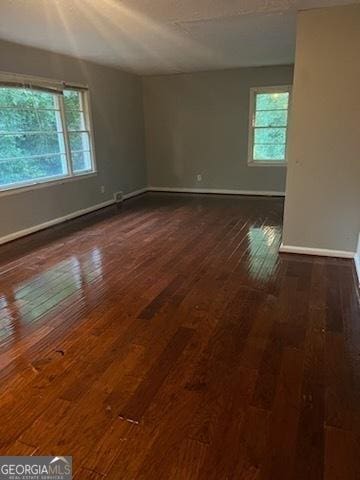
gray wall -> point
(117, 110)
(198, 124)
(322, 208)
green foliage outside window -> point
(31, 138)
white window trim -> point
(253, 91)
(42, 81)
(71, 176)
(90, 125)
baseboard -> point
(70, 216)
(266, 193)
(322, 252)
(135, 193)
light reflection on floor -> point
(264, 242)
(30, 300)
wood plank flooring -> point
(168, 339)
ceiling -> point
(160, 36)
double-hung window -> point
(268, 125)
(45, 132)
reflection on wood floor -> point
(168, 339)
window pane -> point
(31, 169)
(271, 118)
(15, 97)
(72, 100)
(272, 101)
(43, 100)
(21, 98)
(27, 120)
(270, 135)
(81, 161)
(79, 141)
(75, 120)
(28, 145)
(78, 131)
(269, 152)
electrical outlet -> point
(199, 177)
(102, 189)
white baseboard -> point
(70, 216)
(322, 252)
(217, 191)
(55, 221)
(135, 193)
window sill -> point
(49, 183)
(267, 164)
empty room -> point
(179, 239)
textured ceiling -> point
(160, 36)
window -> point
(78, 131)
(269, 112)
(45, 133)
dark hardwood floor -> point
(168, 339)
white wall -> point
(322, 207)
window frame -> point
(85, 101)
(7, 79)
(251, 132)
